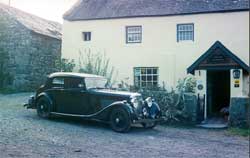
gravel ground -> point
(24, 134)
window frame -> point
(68, 80)
(57, 85)
(139, 83)
(87, 33)
(127, 34)
(177, 31)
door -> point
(218, 89)
(69, 95)
(56, 89)
(74, 97)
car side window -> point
(74, 83)
(58, 83)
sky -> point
(48, 9)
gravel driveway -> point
(24, 134)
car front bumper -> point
(31, 103)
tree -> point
(65, 65)
(98, 64)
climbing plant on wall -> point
(5, 77)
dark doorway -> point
(218, 91)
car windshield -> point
(95, 82)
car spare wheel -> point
(120, 120)
(43, 108)
(149, 125)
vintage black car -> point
(86, 96)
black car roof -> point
(71, 74)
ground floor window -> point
(146, 76)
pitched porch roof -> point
(218, 57)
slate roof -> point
(33, 23)
(107, 9)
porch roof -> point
(218, 57)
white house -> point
(154, 41)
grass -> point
(244, 132)
(11, 91)
(7, 91)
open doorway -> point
(218, 92)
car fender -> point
(45, 95)
(122, 104)
(105, 113)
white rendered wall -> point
(159, 45)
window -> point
(74, 83)
(185, 32)
(146, 76)
(86, 36)
(58, 83)
(133, 34)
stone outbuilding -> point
(29, 47)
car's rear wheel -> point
(43, 108)
(149, 125)
(120, 120)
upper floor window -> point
(133, 34)
(146, 76)
(86, 36)
(185, 32)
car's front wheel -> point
(43, 108)
(120, 120)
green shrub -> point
(65, 65)
(187, 84)
(98, 64)
(172, 103)
(239, 131)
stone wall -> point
(31, 56)
(239, 112)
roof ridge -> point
(113, 9)
(19, 10)
(33, 22)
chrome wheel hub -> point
(117, 120)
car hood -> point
(115, 93)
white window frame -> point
(139, 75)
(133, 34)
(185, 32)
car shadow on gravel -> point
(90, 124)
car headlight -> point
(149, 101)
(135, 102)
